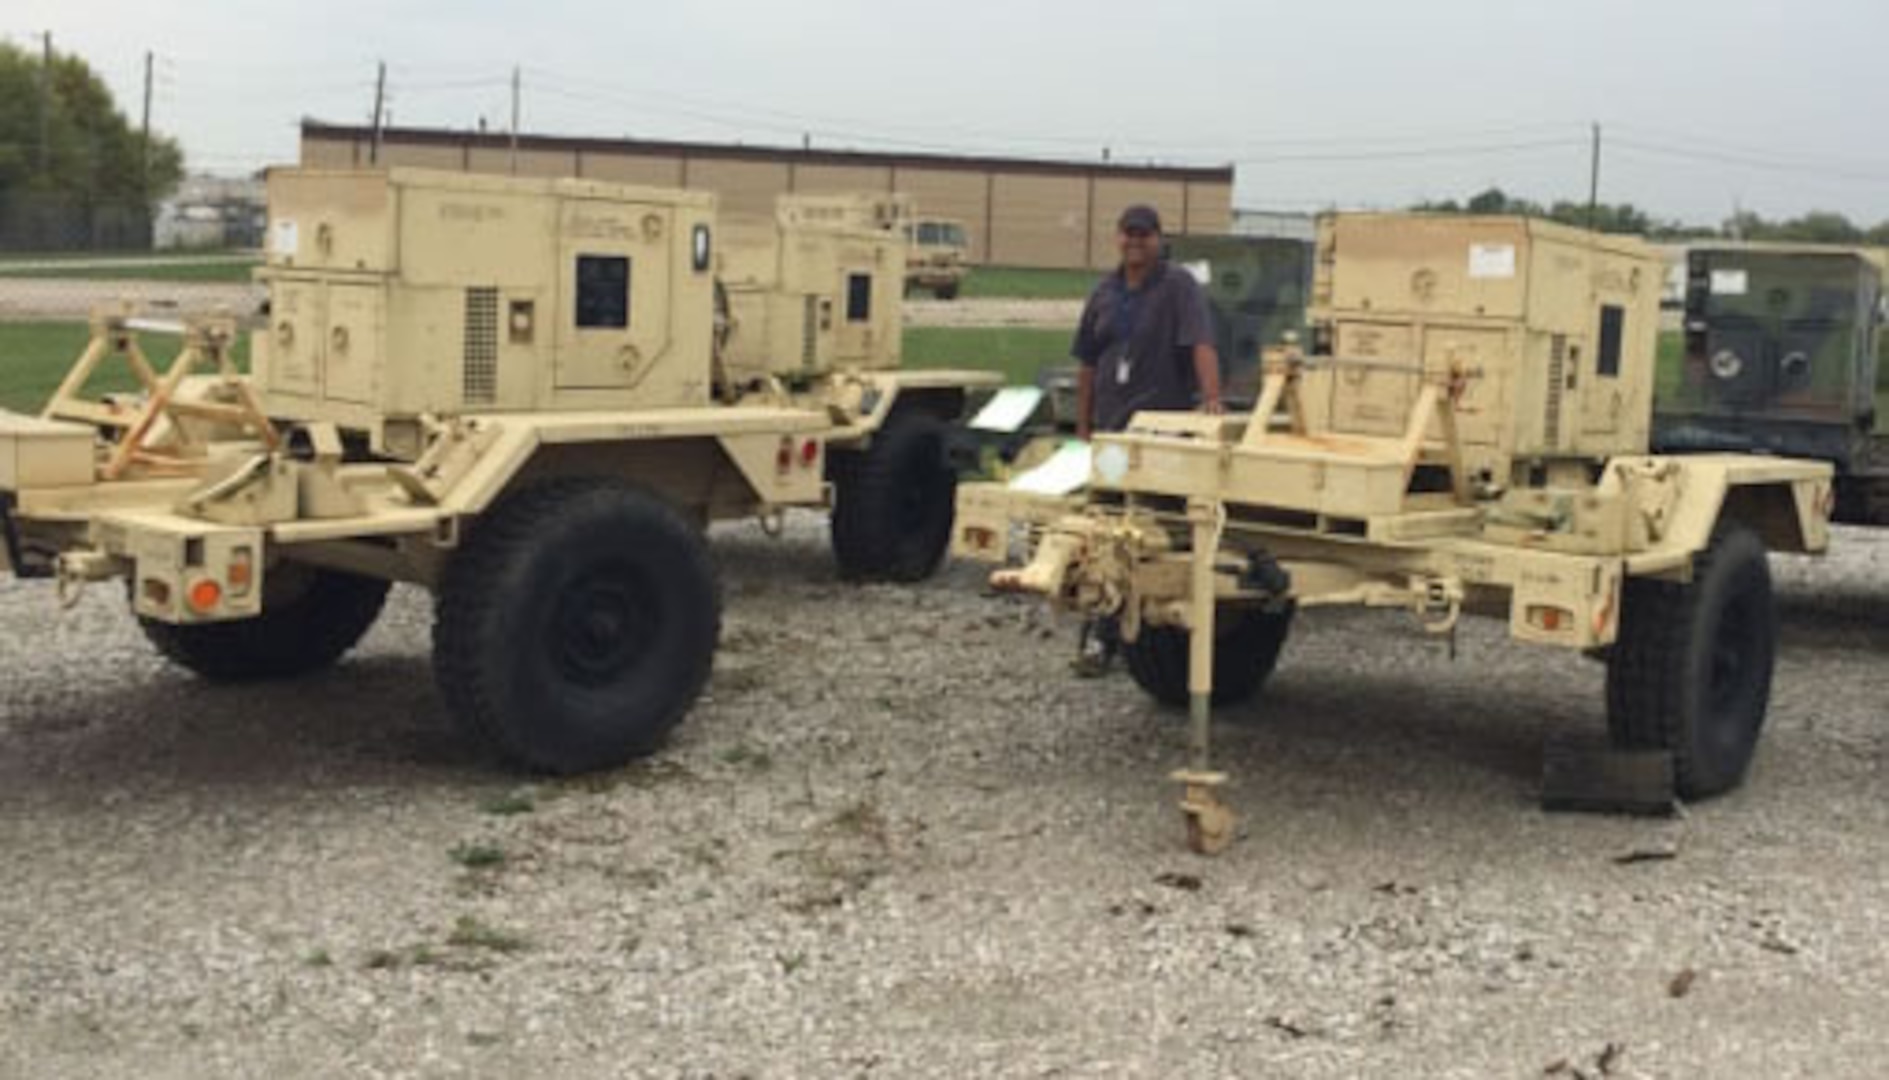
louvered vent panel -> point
(1557, 378)
(481, 359)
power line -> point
(1430, 152)
(855, 129)
(1688, 141)
(1752, 162)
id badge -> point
(1124, 367)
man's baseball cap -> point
(1139, 216)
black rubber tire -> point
(893, 503)
(576, 625)
(946, 292)
(310, 618)
(1247, 643)
(1690, 672)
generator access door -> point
(614, 286)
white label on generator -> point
(1730, 282)
(1202, 271)
(1492, 260)
(286, 238)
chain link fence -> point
(61, 222)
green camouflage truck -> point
(1782, 355)
(1257, 288)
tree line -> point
(1815, 227)
(63, 137)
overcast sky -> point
(1706, 104)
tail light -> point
(204, 596)
(242, 572)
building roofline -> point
(1218, 174)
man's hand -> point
(1207, 376)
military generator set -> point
(529, 396)
(1464, 432)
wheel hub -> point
(604, 626)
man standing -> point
(1145, 342)
(1146, 337)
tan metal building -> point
(1018, 211)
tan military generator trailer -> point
(935, 256)
(517, 393)
(1466, 433)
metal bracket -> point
(1210, 823)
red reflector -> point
(809, 453)
(205, 595)
(784, 458)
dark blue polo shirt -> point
(1140, 342)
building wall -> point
(1038, 220)
(628, 169)
(320, 153)
(419, 156)
(840, 179)
(745, 187)
(1021, 213)
(1210, 208)
(541, 163)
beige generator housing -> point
(1533, 320)
(1466, 434)
(812, 291)
(397, 295)
(515, 393)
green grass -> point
(221, 270)
(1025, 283)
(1670, 369)
(34, 356)
(1014, 352)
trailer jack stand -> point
(1209, 822)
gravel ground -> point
(899, 839)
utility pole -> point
(380, 112)
(144, 136)
(45, 105)
(1593, 181)
(515, 120)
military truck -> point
(1465, 433)
(1783, 355)
(936, 259)
(1257, 289)
(518, 394)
